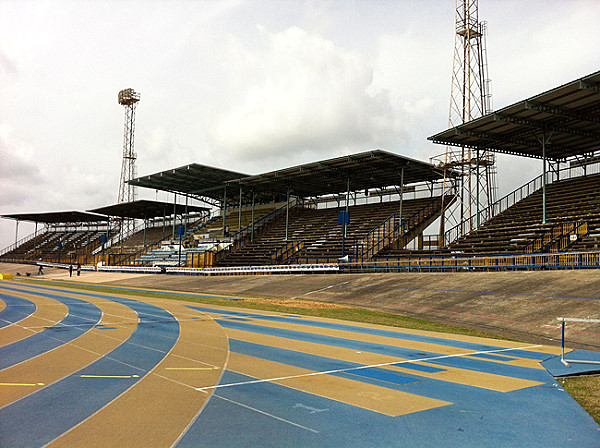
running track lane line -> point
(16, 309)
(81, 318)
(55, 409)
(350, 369)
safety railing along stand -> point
(558, 237)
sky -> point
(251, 86)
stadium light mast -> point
(470, 98)
(129, 99)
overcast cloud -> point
(250, 85)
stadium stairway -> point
(319, 232)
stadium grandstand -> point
(366, 211)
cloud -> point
(305, 96)
(7, 65)
(18, 167)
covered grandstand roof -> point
(191, 179)
(57, 217)
(371, 169)
(568, 117)
(145, 209)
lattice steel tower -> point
(470, 98)
(129, 99)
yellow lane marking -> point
(69, 358)
(22, 384)
(456, 375)
(385, 401)
(109, 376)
(397, 342)
(429, 333)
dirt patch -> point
(24, 270)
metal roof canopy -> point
(566, 119)
(144, 209)
(371, 169)
(193, 179)
(70, 217)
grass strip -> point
(585, 390)
(290, 306)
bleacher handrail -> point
(494, 209)
(581, 229)
(502, 204)
(22, 241)
(556, 233)
(285, 252)
(388, 235)
(239, 238)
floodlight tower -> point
(470, 98)
(129, 99)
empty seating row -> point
(319, 231)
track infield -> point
(80, 368)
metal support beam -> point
(224, 208)
(252, 218)
(347, 205)
(240, 210)
(401, 198)
(174, 214)
(287, 212)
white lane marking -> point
(349, 369)
(267, 414)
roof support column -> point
(346, 218)
(224, 208)
(240, 211)
(544, 141)
(17, 233)
(35, 240)
(186, 212)
(347, 206)
(544, 180)
(287, 212)
(145, 225)
(401, 198)
(174, 214)
(164, 221)
(252, 218)
(478, 211)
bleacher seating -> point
(319, 231)
(45, 245)
(213, 230)
(510, 231)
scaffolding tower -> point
(470, 98)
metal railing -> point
(487, 213)
(287, 251)
(502, 204)
(253, 230)
(388, 232)
(558, 237)
(472, 263)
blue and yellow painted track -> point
(105, 369)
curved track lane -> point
(154, 372)
(137, 353)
